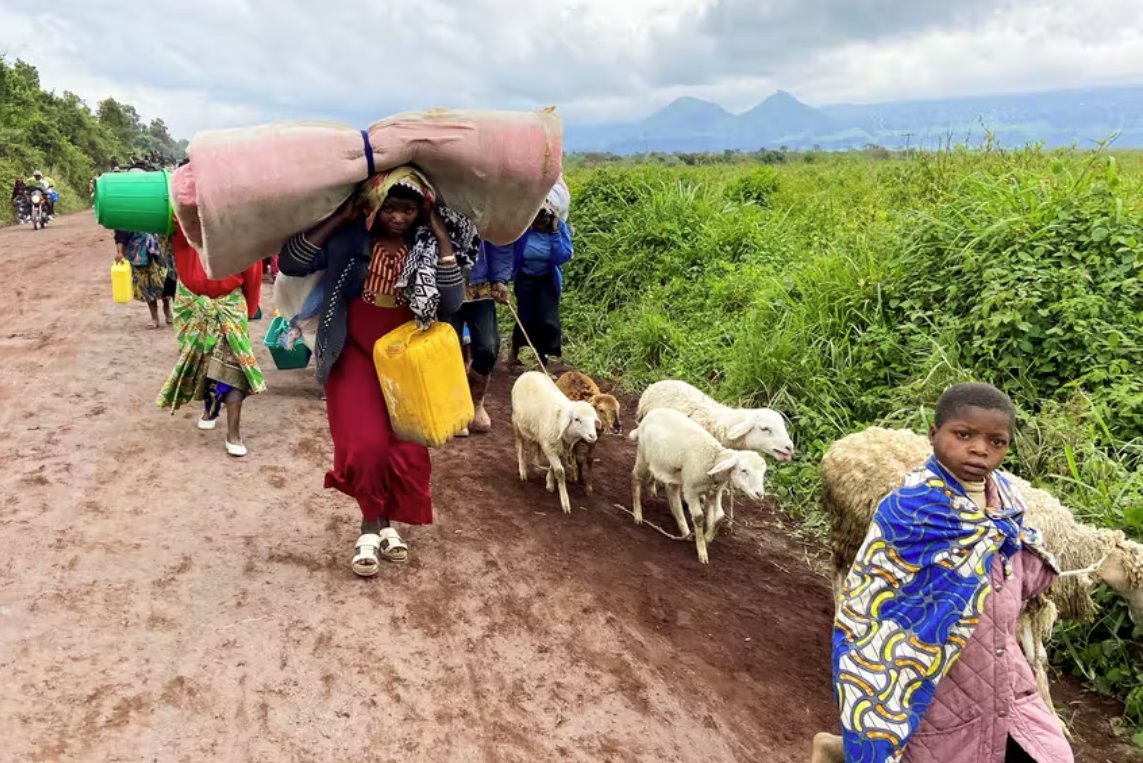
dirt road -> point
(160, 601)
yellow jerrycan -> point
(121, 289)
(424, 383)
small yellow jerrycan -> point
(424, 383)
(121, 289)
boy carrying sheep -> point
(926, 666)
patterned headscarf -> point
(417, 284)
(375, 190)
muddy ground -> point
(160, 601)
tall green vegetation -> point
(61, 136)
(849, 290)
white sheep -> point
(762, 430)
(861, 469)
(546, 422)
(679, 453)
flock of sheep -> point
(694, 446)
(697, 449)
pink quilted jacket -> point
(989, 693)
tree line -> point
(63, 137)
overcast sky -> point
(220, 63)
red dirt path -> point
(162, 602)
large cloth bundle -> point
(247, 190)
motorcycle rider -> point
(47, 185)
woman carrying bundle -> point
(216, 360)
(391, 254)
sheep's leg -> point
(637, 498)
(714, 515)
(838, 586)
(1033, 629)
(559, 476)
(1024, 636)
(573, 467)
(521, 457)
(675, 501)
(694, 503)
(585, 473)
(638, 476)
(827, 748)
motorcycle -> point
(39, 210)
(23, 208)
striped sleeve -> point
(449, 276)
(298, 256)
(450, 284)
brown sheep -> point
(608, 409)
(577, 385)
(583, 453)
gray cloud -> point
(216, 63)
(764, 37)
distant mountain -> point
(781, 117)
(1054, 118)
(683, 114)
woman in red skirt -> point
(391, 254)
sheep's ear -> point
(564, 419)
(740, 430)
(723, 466)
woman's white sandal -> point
(365, 562)
(393, 549)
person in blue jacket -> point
(487, 284)
(538, 259)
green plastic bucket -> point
(134, 201)
(285, 360)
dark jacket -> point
(345, 260)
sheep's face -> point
(763, 431)
(1116, 571)
(607, 408)
(749, 475)
(744, 470)
(580, 423)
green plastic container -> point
(135, 201)
(285, 360)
